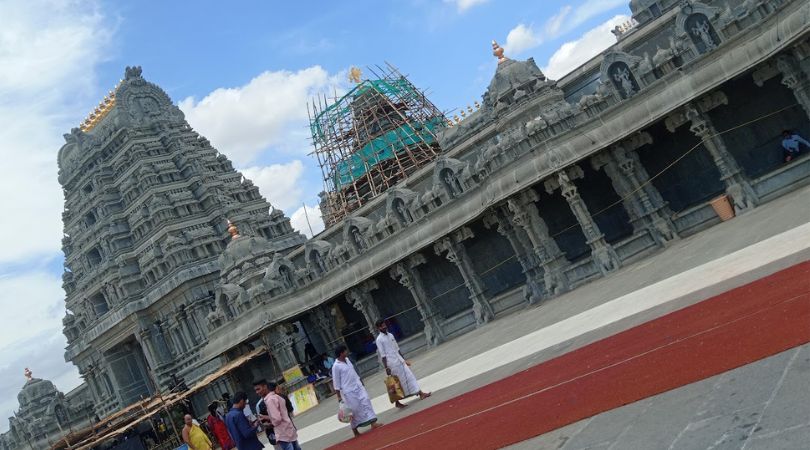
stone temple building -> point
(547, 186)
(46, 414)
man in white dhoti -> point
(396, 364)
(350, 390)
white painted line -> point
(691, 281)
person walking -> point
(241, 430)
(395, 364)
(350, 390)
(194, 436)
(278, 416)
(218, 428)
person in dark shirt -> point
(261, 388)
(242, 432)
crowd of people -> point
(233, 424)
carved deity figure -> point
(451, 182)
(622, 76)
(701, 30)
(403, 212)
(320, 265)
(286, 276)
(359, 242)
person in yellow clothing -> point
(194, 436)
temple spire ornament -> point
(355, 75)
(497, 51)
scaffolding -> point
(371, 138)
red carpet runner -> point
(730, 330)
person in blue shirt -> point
(242, 432)
(791, 142)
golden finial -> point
(456, 119)
(232, 230)
(497, 51)
(28, 374)
(469, 109)
(355, 74)
(477, 105)
(463, 115)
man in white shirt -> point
(395, 364)
(350, 390)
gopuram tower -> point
(147, 204)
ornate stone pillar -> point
(640, 198)
(360, 298)
(185, 328)
(194, 312)
(323, 319)
(144, 338)
(737, 186)
(794, 78)
(452, 246)
(526, 216)
(533, 291)
(602, 253)
(161, 345)
(282, 347)
(406, 274)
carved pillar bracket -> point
(406, 274)
(452, 246)
(525, 215)
(794, 78)
(602, 253)
(737, 186)
(533, 291)
(360, 298)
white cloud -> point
(49, 50)
(298, 220)
(280, 184)
(35, 301)
(590, 9)
(555, 24)
(244, 121)
(572, 54)
(31, 335)
(526, 37)
(520, 39)
(464, 5)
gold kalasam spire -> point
(232, 230)
(497, 51)
(355, 74)
(28, 374)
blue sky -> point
(242, 72)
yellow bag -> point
(394, 387)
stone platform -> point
(746, 248)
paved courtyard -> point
(456, 367)
(763, 406)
